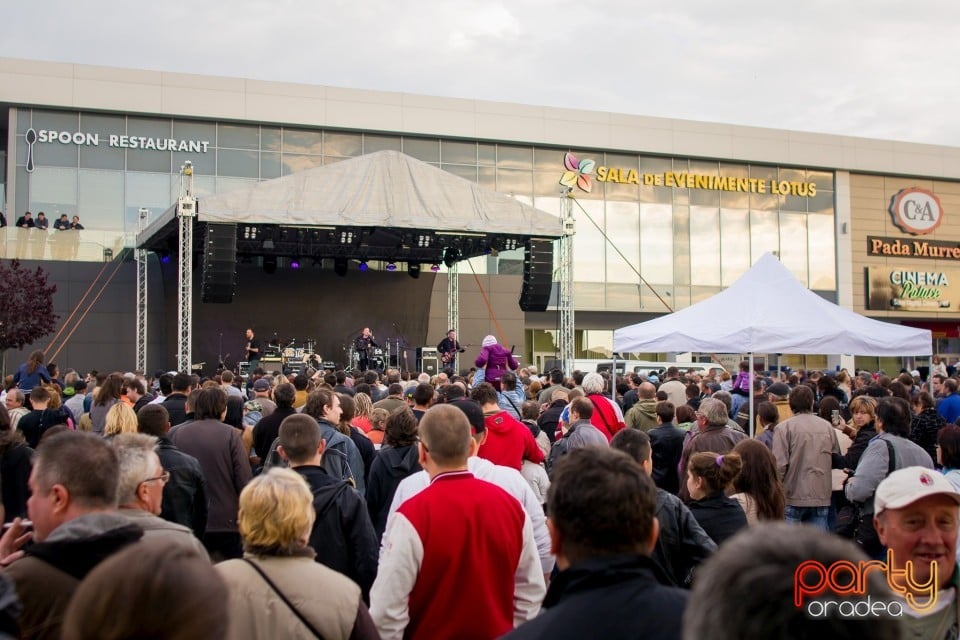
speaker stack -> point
(537, 275)
(218, 279)
(428, 361)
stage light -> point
(450, 256)
(270, 264)
(391, 266)
(340, 266)
(164, 257)
(413, 269)
(295, 263)
(363, 265)
(435, 267)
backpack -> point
(558, 450)
(334, 462)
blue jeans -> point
(817, 516)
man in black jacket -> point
(682, 543)
(550, 418)
(176, 402)
(342, 535)
(266, 430)
(603, 529)
(666, 440)
(185, 494)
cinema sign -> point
(895, 289)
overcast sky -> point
(875, 68)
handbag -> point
(850, 517)
(289, 604)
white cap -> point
(903, 487)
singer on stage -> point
(253, 350)
(363, 344)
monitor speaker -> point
(218, 281)
(537, 275)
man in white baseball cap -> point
(917, 517)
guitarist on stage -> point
(253, 350)
(449, 348)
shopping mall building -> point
(668, 212)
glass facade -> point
(653, 234)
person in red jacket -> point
(459, 558)
(607, 415)
(509, 442)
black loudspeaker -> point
(427, 360)
(219, 275)
(537, 275)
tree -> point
(26, 305)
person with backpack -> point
(33, 424)
(888, 451)
(342, 535)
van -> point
(658, 368)
(644, 367)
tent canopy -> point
(386, 189)
(767, 310)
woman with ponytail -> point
(710, 475)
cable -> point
(486, 301)
(119, 261)
(620, 253)
(72, 313)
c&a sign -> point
(916, 210)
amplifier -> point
(273, 363)
(296, 368)
(427, 360)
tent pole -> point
(613, 378)
(750, 396)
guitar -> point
(449, 356)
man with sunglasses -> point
(140, 494)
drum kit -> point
(292, 357)
(380, 358)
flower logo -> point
(926, 480)
(578, 172)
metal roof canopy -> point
(384, 205)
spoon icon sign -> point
(31, 138)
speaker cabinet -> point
(218, 281)
(537, 275)
(428, 361)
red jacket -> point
(509, 442)
(605, 417)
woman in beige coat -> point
(276, 589)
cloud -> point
(842, 68)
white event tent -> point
(767, 310)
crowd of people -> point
(348, 504)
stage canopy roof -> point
(384, 205)
(767, 310)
